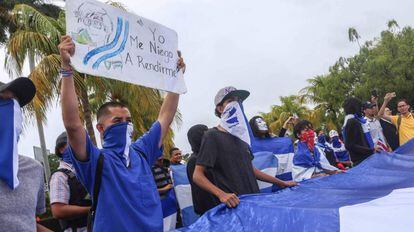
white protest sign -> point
(115, 44)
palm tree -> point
(353, 35)
(6, 6)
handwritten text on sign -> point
(113, 43)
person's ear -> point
(100, 128)
(220, 109)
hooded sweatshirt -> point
(195, 136)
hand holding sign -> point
(115, 44)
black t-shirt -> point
(229, 161)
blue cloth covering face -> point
(128, 198)
(304, 158)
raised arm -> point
(169, 107)
(387, 99)
(70, 113)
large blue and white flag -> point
(169, 210)
(182, 189)
(273, 156)
(10, 129)
(377, 195)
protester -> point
(162, 176)
(225, 153)
(322, 142)
(374, 126)
(128, 199)
(263, 139)
(202, 200)
(260, 129)
(22, 194)
(341, 154)
(389, 130)
(67, 195)
(404, 121)
(356, 134)
(309, 160)
(175, 156)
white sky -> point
(268, 47)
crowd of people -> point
(126, 179)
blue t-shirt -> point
(128, 198)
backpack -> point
(96, 187)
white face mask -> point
(261, 125)
(233, 121)
(18, 119)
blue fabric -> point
(304, 158)
(7, 142)
(66, 157)
(314, 205)
(367, 135)
(322, 143)
(277, 146)
(179, 174)
(169, 204)
(341, 154)
(128, 198)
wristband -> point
(65, 72)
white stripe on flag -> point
(183, 194)
(17, 126)
(269, 171)
(389, 213)
(285, 162)
(170, 222)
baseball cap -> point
(229, 91)
(61, 141)
(368, 105)
(22, 87)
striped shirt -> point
(162, 177)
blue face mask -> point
(118, 138)
(66, 156)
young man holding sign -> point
(128, 198)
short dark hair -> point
(255, 129)
(104, 109)
(403, 100)
(301, 126)
(172, 150)
(216, 112)
(353, 105)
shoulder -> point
(29, 163)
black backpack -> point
(77, 197)
(96, 187)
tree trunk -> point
(40, 129)
(87, 113)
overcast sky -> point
(267, 47)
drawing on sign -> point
(97, 20)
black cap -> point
(368, 105)
(61, 141)
(22, 87)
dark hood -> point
(195, 136)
